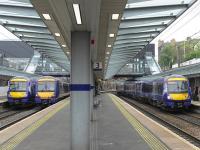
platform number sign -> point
(97, 66)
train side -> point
(171, 92)
(49, 90)
(21, 91)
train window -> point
(46, 86)
(160, 88)
(177, 86)
(147, 88)
(18, 86)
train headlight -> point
(168, 97)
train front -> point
(46, 91)
(18, 91)
(178, 92)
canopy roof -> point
(20, 18)
(142, 21)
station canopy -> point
(142, 21)
(20, 18)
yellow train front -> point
(48, 90)
(21, 91)
(177, 92)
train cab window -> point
(177, 86)
(18, 86)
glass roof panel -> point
(149, 3)
(152, 12)
(20, 18)
(23, 3)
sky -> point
(187, 25)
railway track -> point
(186, 126)
(10, 117)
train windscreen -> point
(177, 86)
(18, 86)
(46, 86)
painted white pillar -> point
(80, 90)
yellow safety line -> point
(150, 139)
(13, 142)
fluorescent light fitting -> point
(108, 53)
(109, 45)
(77, 13)
(46, 16)
(63, 45)
(68, 52)
(115, 16)
(57, 34)
(111, 35)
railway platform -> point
(3, 101)
(115, 126)
(196, 103)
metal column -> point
(80, 91)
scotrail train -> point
(21, 91)
(167, 92)
(49, 89)
(44, 90)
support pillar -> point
(80, 91)
(91, 92)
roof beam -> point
(133, 41)
(130, 45)
(135, 35)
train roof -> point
(20, 78)
(47, 78)
(159, 77)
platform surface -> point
(114, 132)
(3, 100)
(113, 128)
(196, 103)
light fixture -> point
(77, 13)
(57, 34)
(106, 57)
(68, 53)
(115, 16)
(46, 16)
(108, 53)
(63, 45)
(111, 35)
(109, 45)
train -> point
(21, 90)
(49, 89)
(42, 90)
(171, 92)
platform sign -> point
(97, 66)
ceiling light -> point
(106, 57)
(111, 35)
(77, 13)
(63, 45)
(46, 16)
(68, 52)
(108, 53)
(109, 45)
(57, 34)
(115, 16)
